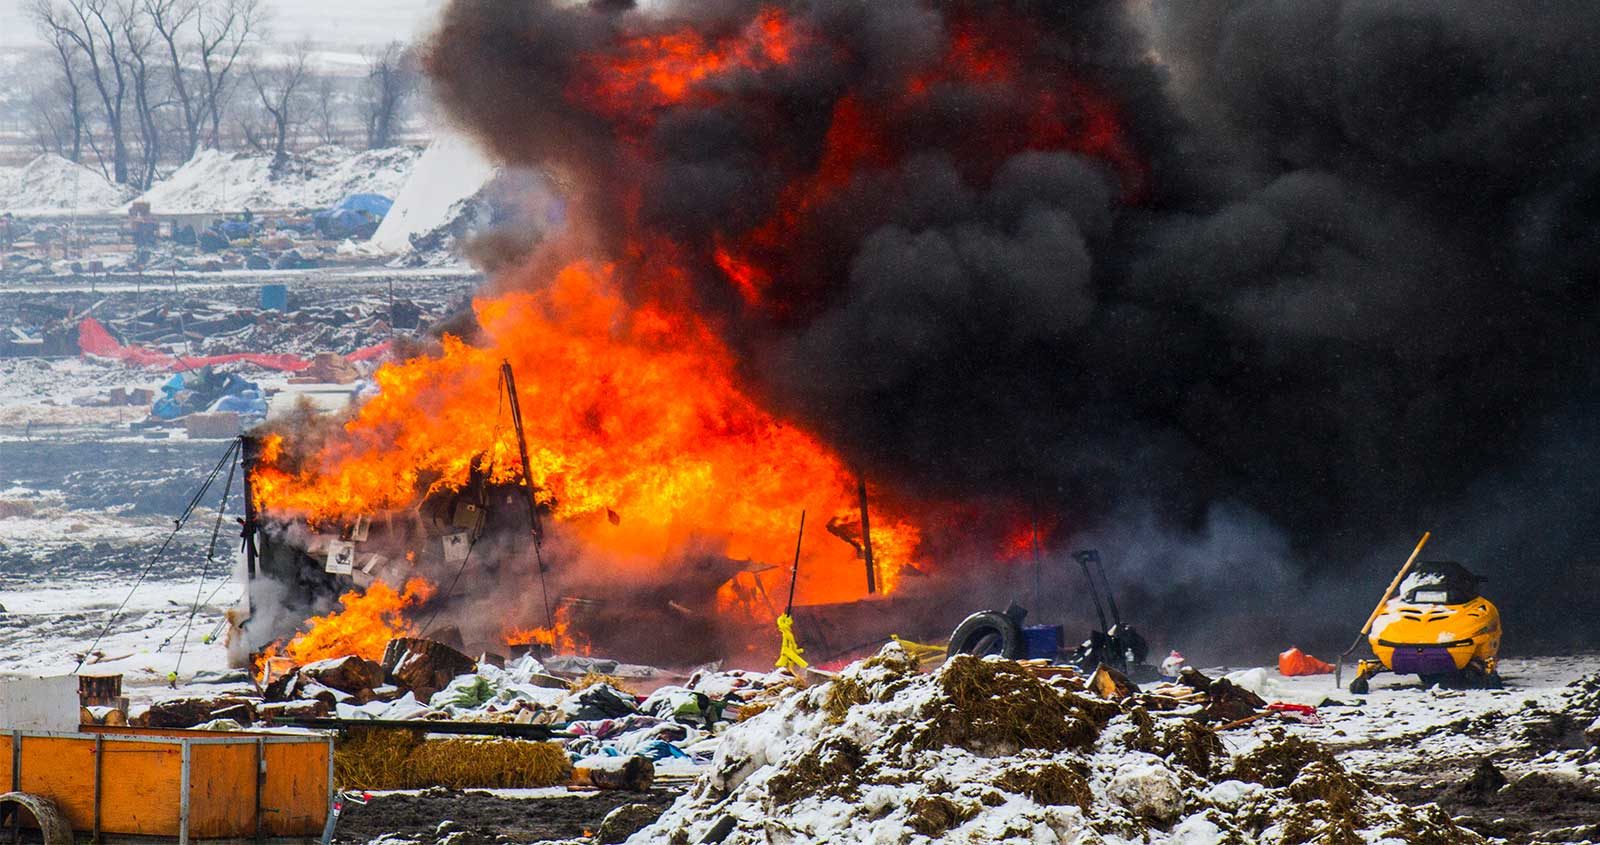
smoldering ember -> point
(799, 421)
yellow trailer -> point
(116, 783)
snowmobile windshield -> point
(1440, 582)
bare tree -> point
(223, 29)
(325, 114)
(171, 20)
(149, 94)
(391, 77)
(58, 109)
(94, 29)
(281, 87)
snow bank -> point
(984, 751)
(51, 184)
(451, 171)
(217, 181)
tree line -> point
(136, 85)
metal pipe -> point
(1083, 556)
(501, 729)
(183, 793)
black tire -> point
(1492, 681)
(988, 632)
(1359, 686)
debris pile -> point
(198, 324)
(984, 749)
(423, 687)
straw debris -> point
(832, 768)
(1049, 783)
(995, 706)
(369, 758)
(594, 679)
(1182, 741)
(932, 815)
(841, 695)
(1279, 760)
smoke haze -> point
(1279, 284)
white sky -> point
(332, 22)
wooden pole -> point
(794, 573)
(1338, 676)
(866, 536)
(509, 381)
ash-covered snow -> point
(51, 184)
(217, 181)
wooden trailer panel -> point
(64, 770)
(140, 787)
(294, 801)
(240, 786)
(222, 790)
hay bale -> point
(371, 758)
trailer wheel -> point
(53, 826)
(988, 632)
(1359, 686)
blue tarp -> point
(356, 216)
(375, 204)
(204, 390)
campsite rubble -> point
(424, 687)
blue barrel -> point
(1042, 641)
(274, 297)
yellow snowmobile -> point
(1437, 627)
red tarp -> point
(93, 339)
(1296, 662)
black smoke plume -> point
(1336, 268)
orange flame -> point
(652, 71)
(629, 412)
(363, 626)
(559, 637)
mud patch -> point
(478, 818)
(1537, 807)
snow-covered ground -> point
(217, 181)
(50, 185)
